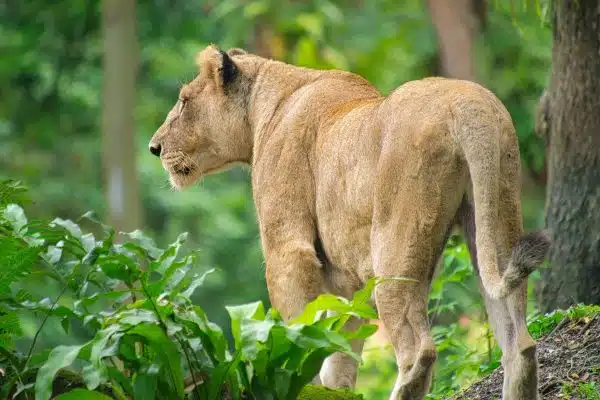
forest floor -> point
(569, 364)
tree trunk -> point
(118, 117)
(457, 22)
(573, 126)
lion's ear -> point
(218, 65)
(236, 51)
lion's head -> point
(207, 130)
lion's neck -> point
(274, 84)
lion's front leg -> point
(294, 277)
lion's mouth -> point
(178, 164)
(183, 170)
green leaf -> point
(312, 23)
(12, 191)
(145, 242)
(60, 357)
(314, 310)
(280, 344)
(256, 8)
(15, 262)
(100, 342)
(310, 367)
(196, 282)
(329, 302)
(363, 332)
(311, 337)
(118, 266)
(47, 305)
(15, 216)
(54, 253)
(253, 332)
(282, 379)
(254, 310)
(364, 295)
(219, 376)
(144, 386)
(82, 394)
(86, 302)
(211, 335)
(108, 230)
(92, 376)
(65, 323)
(137, 316)
(168, 351)
(69, 225)
(169, 255)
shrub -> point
(146, 338)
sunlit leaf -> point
(145, 242)
(60, 357)
(238, 313)
(15, 215)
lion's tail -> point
(481, 148)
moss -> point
(314, 392)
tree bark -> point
(457, 23)
(118, 116)
(573, 128)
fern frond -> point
(15, 262)
(12, 192)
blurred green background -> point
(51, 77)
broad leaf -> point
(168, 351)
(254, 310)
(60, 357)
(83, 394)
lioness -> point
(349, 184)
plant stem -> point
(187, 359)
(37, 333)
(162, 324)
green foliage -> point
(51, 81)
(516, 73)
(538, 326)
(312, 392)
(147, 339)
(16, 259)
(51, 85)
(461, 360)
(582, 390)
(82, 394)
(541, 325)
(12, 192)
(465, 352)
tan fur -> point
(349, 184)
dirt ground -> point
(569, 355)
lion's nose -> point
(155, 149)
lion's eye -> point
(182, 103)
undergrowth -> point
(584, 390)
(146, 338)
(467, 352)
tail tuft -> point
(530, 251)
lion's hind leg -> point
(410, 247)
(402, 306)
